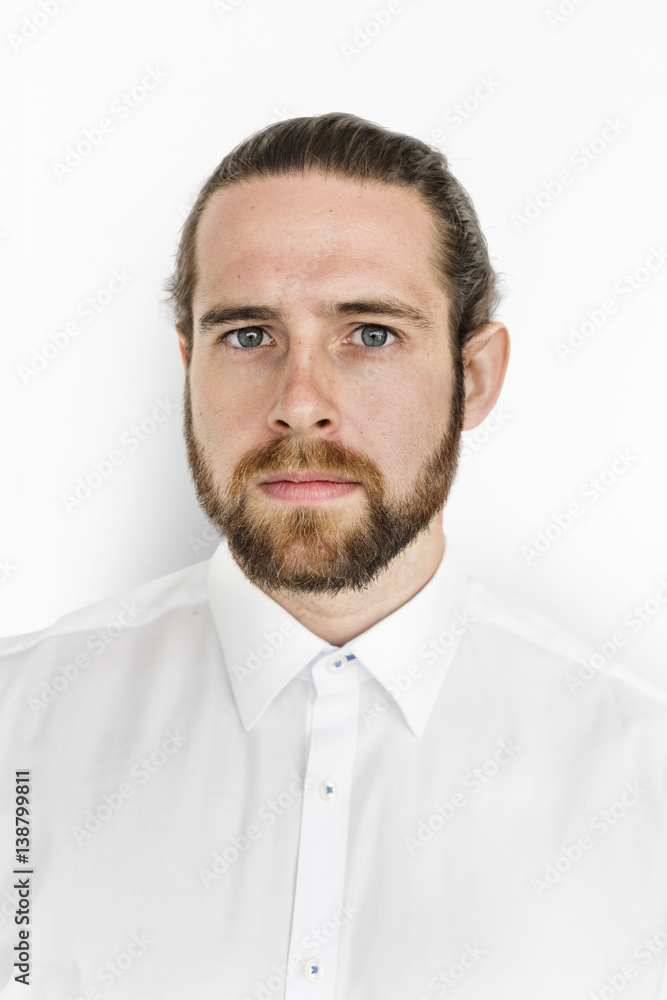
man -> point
(327, 763)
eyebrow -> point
(222, 314)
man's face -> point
(332, 356)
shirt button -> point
(338, 663)
(328, 790)
(313, 969)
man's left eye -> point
(374, 335)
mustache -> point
(294, 455)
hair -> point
(346, 146)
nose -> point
(305, 392)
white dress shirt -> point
(461, 801)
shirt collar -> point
(408, 652)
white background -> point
(553, 80)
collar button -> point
(338, 662)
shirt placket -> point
(319, 907)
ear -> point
(485, 359)
(182, 343)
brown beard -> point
(319, 549)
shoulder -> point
(555, 656)
(134, 609)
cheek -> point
(399, 421)
(224, 422)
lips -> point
(305, 477)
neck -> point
(338, 619)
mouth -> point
(304, 477)
(306, 487)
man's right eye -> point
(248, 336)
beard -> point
(322, 549)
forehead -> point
(315, 228)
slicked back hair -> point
(346, 146)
